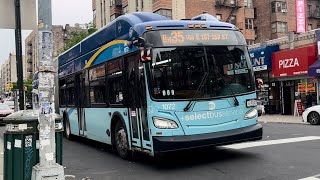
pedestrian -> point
(309, 100)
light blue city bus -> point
(144, 83)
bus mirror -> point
(140, 42)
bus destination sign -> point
(195, 37)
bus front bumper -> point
(173, 143)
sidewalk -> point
(277, 118)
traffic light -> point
(9, 86)
(259, 83)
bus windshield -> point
(177, 72)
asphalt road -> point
(292, 161)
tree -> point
(77, 36)
(26, 83)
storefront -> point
(290, 67)
(268, 92)
(314, 71)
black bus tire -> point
(67, 128)
(121, 141)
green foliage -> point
(26, 83)
(77, 36)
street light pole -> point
(19, 53)
(47, 168)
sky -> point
(63, 12)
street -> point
(296, 159)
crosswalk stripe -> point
(271, 142)
(310, 178)
(316, 177)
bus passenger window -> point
(115, 81)
(97, 85)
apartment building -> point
(237, 12)
(60, 36)
(275, 18)
(9, 70)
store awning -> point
(314, 69)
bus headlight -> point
(252, 113)
(163, 123)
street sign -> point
(28, 14)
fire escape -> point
(234, 5)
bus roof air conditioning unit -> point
(205, 17)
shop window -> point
(307, 92)
(115, 81)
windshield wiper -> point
(204, 78)
(236, 102)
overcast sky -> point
(63, 12)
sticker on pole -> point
(17, 143)
(8, 145)
(28, 141)
(46, 108)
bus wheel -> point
(67, 129)
(121, 141)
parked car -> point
(5, 110)
(10, 104)
(312, 115)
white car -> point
(312, 115)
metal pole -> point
(47, 168)
(19, 53)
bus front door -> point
(80, 93)
(139, 130)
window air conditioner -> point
(284, 10)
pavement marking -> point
(271, 142)
(316, 177)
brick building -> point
(9, 71)
(237, 12)
(60, 36)
(275, 18)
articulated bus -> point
(149, 84)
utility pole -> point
(47, 168)
(19, 53)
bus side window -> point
(115, 81)
(62, 90)
(97, 85)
